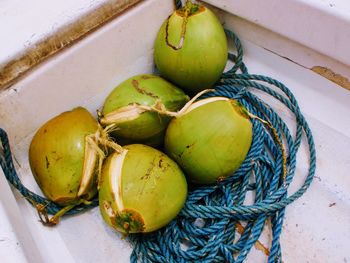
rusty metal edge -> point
(70, 34)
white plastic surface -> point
(34, 20)
(322, 25)
(317, 226)
(13, 230)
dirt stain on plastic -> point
(61, 39)
(332, 76)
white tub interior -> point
(317, 226)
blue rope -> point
(178, 4)
(221, 207)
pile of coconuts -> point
(150, 140)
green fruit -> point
(142, 126)
(201, 55)
(210, 140)
(57, 153)
(141, 190)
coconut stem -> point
(188, 104)
(104, 140)
(93, 143)
(133, 111)
(279, 142)
(44, 217)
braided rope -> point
(178, 4)
(220, 207)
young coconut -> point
(141, 190)
(134, 108)
(209, 139)
(191, 48)
(64, 158)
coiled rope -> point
(206, 228)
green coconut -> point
(63, 159)
(210, 140)
(141, 190)
(191, 48)
(136, 105)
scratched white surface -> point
(25, 23)
(10, 248)
(322, 25)
(317, 226)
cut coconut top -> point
(115, 178)
(90, 159)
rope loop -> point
(220, 208)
